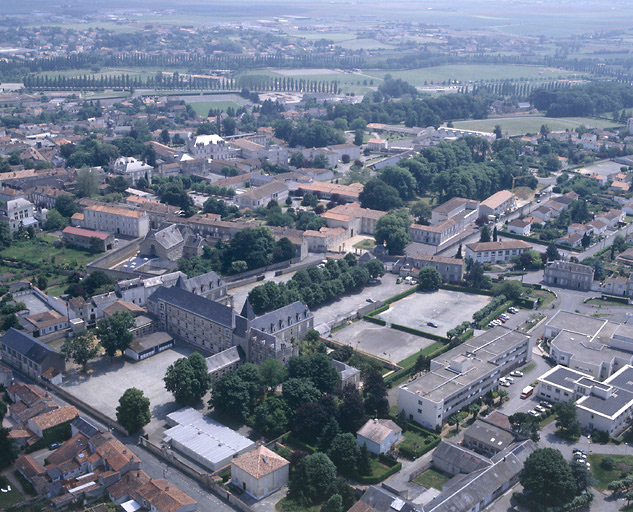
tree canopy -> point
(133, 410)
(188, 379)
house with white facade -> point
(378, 435)
(260, 472)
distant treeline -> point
(175, 81)
(584, 100)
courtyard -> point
(445, 308)
(106, 381)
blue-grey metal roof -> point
(27, 345)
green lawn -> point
(432, 478)
(42, 250)
(425, 351)
(466, 72)
(520, 125)
(365, 244)
(289, 505)
(623, 463)
(202, 107)
(414, 442)
(8, 499)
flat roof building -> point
(462, 375)
(203, 439)
(594, 346)
(605, 406)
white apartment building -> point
(132, 169)
(114, 219)
(463, 375)
(606, 406)
(19, 212)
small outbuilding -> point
(147, 346)
(260, 472)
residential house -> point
(454, 207)
(132, 169)
(597, 226)
(451, 269)
(51, 419)
(571, 239)
(378, 435)
(333, 191)
(18, 212)
(352, 217)
(611, 218)
(521, 227)
(620, 286)
(160, 496)
(259, 472)
(544, 213)
(349, 376)
(47, 322)
(565, 274)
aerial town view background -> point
(291, 256)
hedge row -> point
(289, 438)
(421, 430)
(614, 298)
(427, 447)
(525, 303)
(495, 313)
(379, 310)
(534, 240)
(466, 335)
(465, 289)
(374, 479)
(417, 332)
(402, 295)
(373, 320)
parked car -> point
(545, 404)
(534, 413)
(54, 446)
(502, 320)
(513, 310)
(505, 384)
(370, 300)
(540, 408)
(399, 280)
(516, 373)
(432, 324)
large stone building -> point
(462, 375)
(451, 269)
(165, 244)
(215, 327)
(497, 203)
(115, 219)
(209, 146)
(565, 274)
(28, 355)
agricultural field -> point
(365, 44)
(520, 125)
(468, 72)
(202, 107)
(330, 36)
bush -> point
(478, 316)
(465, 289)
(607, 463)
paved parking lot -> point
(341, 308)
(445, 308)
(106, 382)
(381, 341)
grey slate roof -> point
(226, 357)
(482, 484)
(291, 310)
(466, 460)
(84, 426)
(247, 310)
(378, 499)
(167, 237)
(195, 304)
(202, 283)
(26, 345)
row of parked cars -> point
(540, 408)
(503, 318)
(508, 381)
(580, 456)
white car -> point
(540, 408)
(505, 384)
(509, 379)
(534, 413)
(516, 373)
